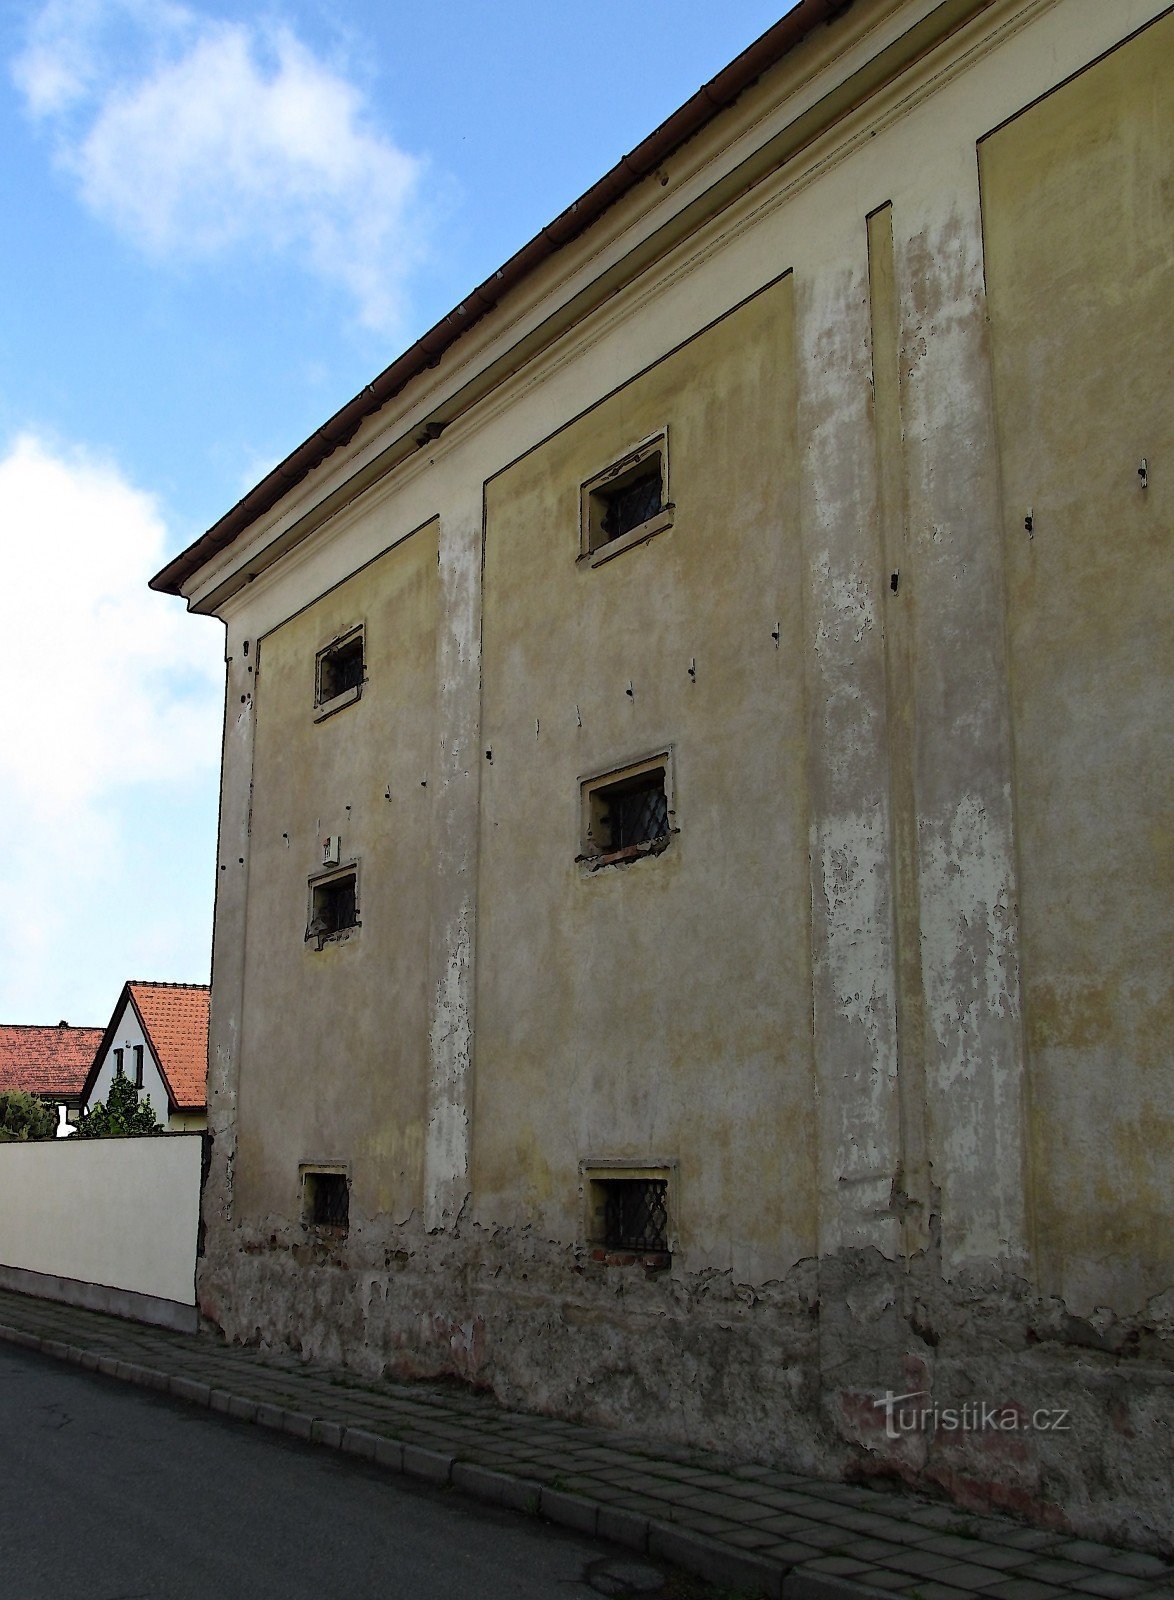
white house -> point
(157, 1037)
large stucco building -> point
(694, 904)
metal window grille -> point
(328, 1200)
(637, 813)
(636, 1214)
(340, 669)
(634, 503)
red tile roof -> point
(175, 1021)
(45, 1060)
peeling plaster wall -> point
(659, 1011)
(1078, 205)
(912, 1147)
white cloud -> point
(112, 715)
(193, 137)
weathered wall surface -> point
(1078, 208)
(891, 1173)
(658, 1010)
(328, 1076)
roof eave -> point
(709, 101)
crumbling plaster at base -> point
(702, 1360)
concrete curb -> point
(704, 1557)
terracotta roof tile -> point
(51, 1061)
(175, 1017)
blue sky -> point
(220, 222)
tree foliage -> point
(26, 1116)
(123, 1113)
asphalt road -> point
(108, 1492)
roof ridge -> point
(163, 983)
(56, 1027)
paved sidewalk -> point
(758, 1531)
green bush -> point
(123, 1113)
(26, 1116)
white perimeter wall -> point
(118, 1212)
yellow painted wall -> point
(660, 1010)
(1078, 207)
(335, 1048)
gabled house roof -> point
(49, 1061)
(174, 1020)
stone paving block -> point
(1026, 1589)
(1116, 1586)
(1067, 1574)
(974, 1579)
(708, 1500)
(785, 1525)
(857, 1522)
(804, 1585)
(953, 1544)
(920, 1562)
(713, 1527)
(822, 1538)
(747, 1489)
(875, 1526)
(941, 1591)
(897, 1531)
(837, 1566)
(648, 1483)
(891, 1582)
(1129, 1563)
(788, 1553)
(746, 1512)
(999, 1558)
(872, 1550)
(750, 1539)
(1029, 1539)
(621, 1526)
(716, 1562)
(328, 1433)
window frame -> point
(323, 880)
(594, 1174)
(594, 496)
(592, 857)
(322, 1169)
(326, 707)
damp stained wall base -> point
(793, 1372)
